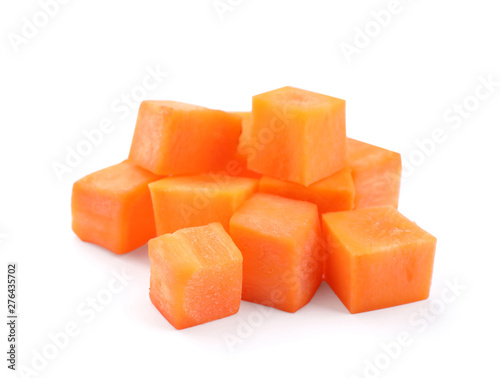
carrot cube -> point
(279, 240)
(377, 258)
(112, 207)
(196, 275)
(191, 201)
(238, 165)
(376, 173)
(335, 193)
(246, 118)
(244, 146)
(173, 138)
(297, 135)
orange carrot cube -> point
(377, 258)
(376, 173)
(297, 135)
(238, 165)
(335, 193)
(173, 138)
(279, 239)
(191, 201)
(196, 275)
(112, 207)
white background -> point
(65, 79)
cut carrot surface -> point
(173, 138)
(196, 275)
(297, 135)
(191, 201)
(112, 207)
(245, 147)
(238, 166)
(279, 240)
(377, 258)
(335, 193)
(245, 124)
(376, 173)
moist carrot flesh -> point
(196, 275)
(246, 124)
(112, 207)
(244, 144)
(376, 173)
(173, 138)
(335, 193)
(377, 258)
(237, 166)
(299, 136)
(191, 201)
(279, 239)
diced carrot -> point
(196, 275)
(279, 240)
(297, 135)
(237, 166)
(377, 258)
(112, 207)
(376, 173)
(190, 201)
(173, 138)
(335, 193)
(263, 177)
(244, 141)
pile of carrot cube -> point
(261, 206)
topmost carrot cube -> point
(173, 138)
(297, 135)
